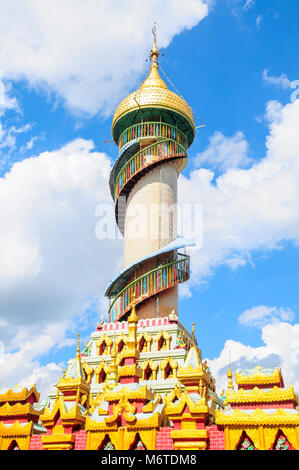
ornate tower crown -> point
(153, 93)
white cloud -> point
(259, 21)
(262, 315)
(6, 101)
(78, 49)
(282, 81)
(246, 210)
(273, 112)
(53, 268)
(280, 349)
(28, 344)
(225, 152)
(248, 4)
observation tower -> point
(153, 128)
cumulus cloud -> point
(280, 349)
(21, 365)
(53, 267)
(225, 152)
(245, 210)
(262, 315)
(59, 45)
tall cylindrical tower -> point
(153, 128)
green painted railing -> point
(162, 150)
(152, 129)
(149, 284)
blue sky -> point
(235, 62)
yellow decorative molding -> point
(173, 364)
(263, 437)
(88, 371)
(67, 384)
(151, 405)
(147, 342)
(153, 367)
(121, 438)
(13, 396)
(175, 394)
(259, 377)
(176, 409)
(165, 337)
(142, 393)
(259, 395)
(189, 434)
(108, 343)
(58, 441)
(121, 338)
(130, 370)
(257, 417)
(16, 429)
(18, 409)
(73, 416)
(102, 366)
(23, 442)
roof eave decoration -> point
(257, 395)
(259, 377)
(16, 429)
(12, 396)
(257, 418)
(19, 410)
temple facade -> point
(140, 383)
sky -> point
(64, 67)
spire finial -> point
(193, 332)
(154, 52)
(78, 345)
(133, 317)
(154, 31)
(230, 385)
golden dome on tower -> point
(153, 93)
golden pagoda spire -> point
(112, 375)
(133, 317)
(230, 385)
(78, 346)
(153, 79)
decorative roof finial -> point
(193, 332)
(78, 345)
(133, 317)
(230, 385)
(154, 52)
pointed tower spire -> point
(112, 375)
(78, 346)
(155, 51)
(230, 385)
(153, 79)
(73, 380)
